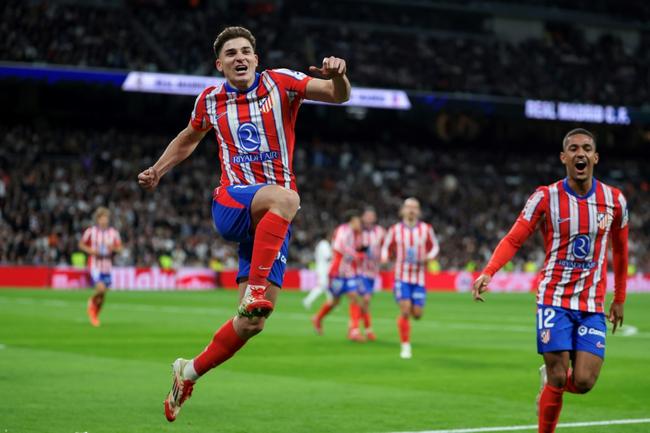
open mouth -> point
(581, 165)
(241, 68)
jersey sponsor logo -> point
(249, 137)
(594, 331)
(581, 246)
(571, 264)
(243, 158)
(545, 336)
(604, 220)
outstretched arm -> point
(522, 229)
(178, 149)
(503, 253)
(334, 87)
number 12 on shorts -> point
(545, 317)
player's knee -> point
(556, 375)
(584, 383)
(251, 327)
(287, 202)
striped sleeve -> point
(200, 120)
(117, 240)
(620, 230)
(85, 238)
(293, 82)
(388, 245)
(533, 211)
(433, 247)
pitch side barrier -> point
(141, 278)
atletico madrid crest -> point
(545, 336)
(604, 220)
(266, 104)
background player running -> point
(323, 261)
(100, 242)
(344, 274)
(411, 243)
(372, 236)
(253, 115)
(577, 216)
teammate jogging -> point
(100, 242)
(253, 116)
(411, 243)
(577, 216)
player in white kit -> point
(323, 259)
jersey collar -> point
(567, 188)
(232, 89)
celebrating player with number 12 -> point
(577, 216)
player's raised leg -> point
(272, 209)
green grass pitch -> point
(474, 365)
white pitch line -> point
(534, 427)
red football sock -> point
(366, 320)
(570, 386)
(324, 310)
(550, 405)
(355, 315)
(404, 327)
(223, 346)
(269, 236)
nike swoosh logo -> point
(262, 268)
(562, 220)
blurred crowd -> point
(52, 178)
(418, 48)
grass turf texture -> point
(474, 365)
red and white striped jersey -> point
(103, 241)
(576, 231)
(345, 245)
(412, 247)
(254, 128)
(371, 239)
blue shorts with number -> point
(410, 292)
(231, 212)
(340, 286)
(560, 329)
(366, 286)
(100, 277)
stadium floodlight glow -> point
(576, 112)
(192, 85)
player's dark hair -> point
(577, 131)
(351, 213)
(229, 33)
